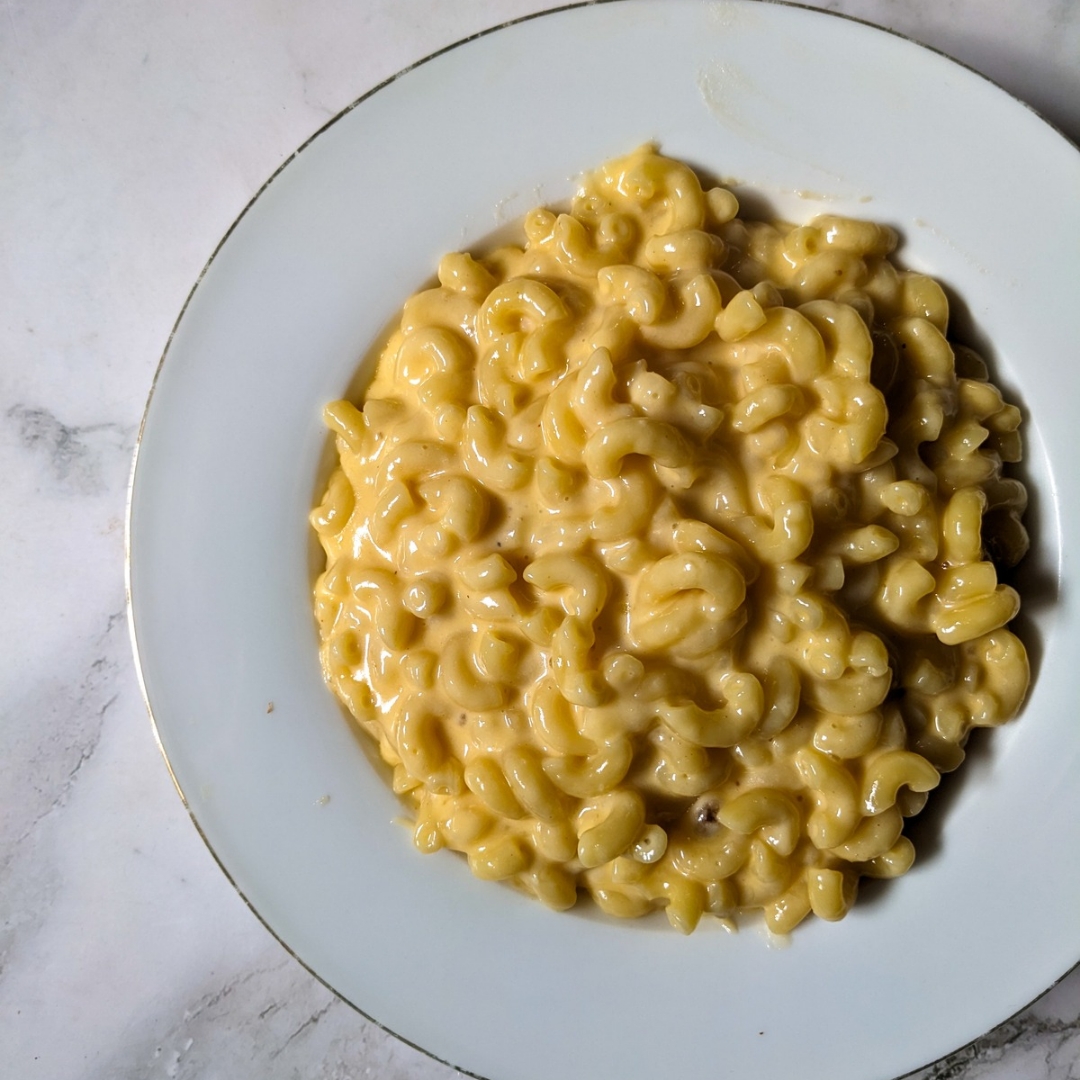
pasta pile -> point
(661, 558)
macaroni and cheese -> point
(662, 554)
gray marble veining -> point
(130, 137)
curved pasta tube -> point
(421, 746)
(503, 858)
(486, 455)
(904, 498)
(517, 327)
(552, 886)
(848, 737)
(675, 402)
(554, 721)
(497, 386)
(593, 774)
(650, 845)
(836, 812)
(615, 330)
(922, 419)
(790, 336)
(563, 434)
(789, 533)
(555, 483)
(723, 726)
(613, 894)
(926, 352)
(439, 307)
(336, 507)
(684, 768)
(570, 647)
(629, 503)
(560, 534)
(828, 273)
(485, 600)
(402, 782)
(922, 296)
(686, 903)
(461, 679)
(970, 604)
(427, 836)
(863, 682)
(662, 443)
(667, 190)
(485, 779)
(989, 684)
(497, 655)
(531, 787)
(696, 301)
(690, 249)
(540, 354)
(849, 422)
(592, 401)
(768, 813)
(467, 824)
(515, 307)
(714, 574)
(764, 405)
(723, 205)
(415, 458)
(419, 667)
(394, 505)
(641, 292)
(431, 351)
(741, 316)
(697, 536)
(347, 422)
(957, 456)
(849, 347)
(831, 893)
(889, 772)
(781, 696)
(785, 912)
(873, 838)
(896, 861)
(575, 250)
(487, 571)
(711, 857)
(460, 272)
(619, 903)
(379, 593)
(584, 580)
(772, 871)
(865, 544)
(766, 880)
(691, 602)
(622, 814)
(858, 237)
(557, 842)
(460, 503)
(906, 595)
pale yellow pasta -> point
(662, 556)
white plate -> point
(786, 101)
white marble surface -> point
(131, 135)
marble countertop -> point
(131, 135)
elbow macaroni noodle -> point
(661, 558)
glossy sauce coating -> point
(658, 554)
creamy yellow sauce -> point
(658, 557)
